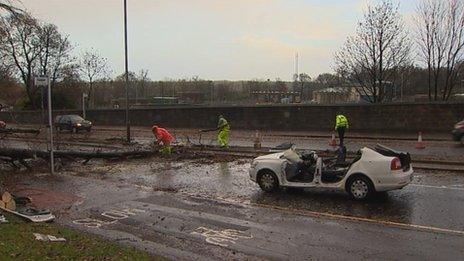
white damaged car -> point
(372, 170)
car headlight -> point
(78, 125)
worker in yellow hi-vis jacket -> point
(224, 130)
(341, 125)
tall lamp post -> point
(127, 73)
(84, 96)
(44, 81)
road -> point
(209, 209)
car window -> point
(63, 119)
(76, 118)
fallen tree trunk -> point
(15, 130)
(14, 154)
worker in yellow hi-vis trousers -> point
(224, 130)
(341, 125)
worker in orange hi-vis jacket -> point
(164, 138)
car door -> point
(59, 122)
(65, 122)
(285, 167)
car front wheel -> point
(360, 188)
(268, 181)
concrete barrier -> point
(427, 117)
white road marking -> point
(316, 214)
(368, 220)
(453, 187)
(115, 215)
(221, 237)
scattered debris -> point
(15, 130)
(47, 238)
(7, 202)
(17, 206)
(12, 155)
(3, 219)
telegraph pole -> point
(127, 73)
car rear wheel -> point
(268, 181)
(360, 188)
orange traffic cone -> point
(420, 143)
(333, 141)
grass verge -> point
(17, 242)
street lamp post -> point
(44, 81)
(127, 73)
(84, 96)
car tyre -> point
(268, 181)
(88, 129)
(74, 130)
(360, 188)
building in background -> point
(276, 97)
(336, 95)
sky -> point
(211, 39)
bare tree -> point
(304, 79)
(20, 45)
(455, 45)
(8, 6)
(142, 80)
(440, 37)
(379, 48)
(328, 79)
(92, 67)
(56, 52)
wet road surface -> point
(193, 209)
(431, 200)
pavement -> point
(208, 209)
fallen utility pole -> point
(13, 154)
(19, 131)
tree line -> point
(382, 49)
(381, 54)
(30, 47)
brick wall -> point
(436, 117)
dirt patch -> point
(172, 190)
(44, 199)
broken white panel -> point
(50, 238)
